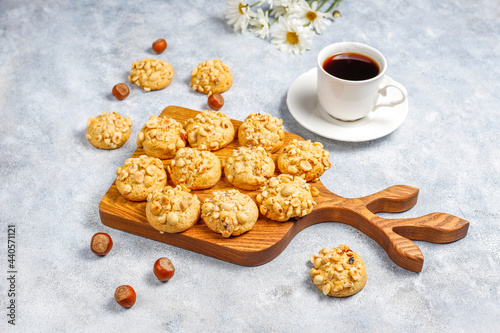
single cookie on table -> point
(211, 77)
(140, 176)
(172, 210)
(151, 74)
(108, 130)
(285, 197)
(304, 159)
(338, 272)
(249, 168)
(230, 213)
(209, 130)
(161, 137)
(195, 169)
(264, 130)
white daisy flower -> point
(238, 14)
(283, 7)
(306, 14)
(291, 36)
(259, 24)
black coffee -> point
(351, 66)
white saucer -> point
(302, 104)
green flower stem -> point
(255, 4)
(334, 4)
(319, 7)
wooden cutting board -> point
(269, 238)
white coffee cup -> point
(352, 100)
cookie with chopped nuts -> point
(210, 77)
(285, 197)
(338, 272)
(172, 210)
(230, 213)
(262, 129)
(209, 130)
(161, 137)
(304, 159)
(108, 130)
(195, 169)
(249, 168)
(151, 74)
(140, 176)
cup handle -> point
(383, 92)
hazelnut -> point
(159, 46)
(120, 91)
(163, 269)
(101, 244)
(215, 101)
(125, 296)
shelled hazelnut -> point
(163, 269)
(159, 45)
(120, 91)
(125, 296)
(215, 101)
(101, 243)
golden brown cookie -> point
(151, 74)
(161, 137)
(304, 159)
(230, 213)
(211, 77)
(285, 197)
(262, 129)
(338, 272)
(209, 130)
(195, 169)
(249, 168)
(172, 210)
(140, 176)
(108, 130)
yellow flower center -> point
(311, 16)
(292, 37)
(240, 8)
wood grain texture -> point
(269, 238)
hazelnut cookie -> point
(151, 74)
(161, 137)
(249, 168)
(195, 169)
(108, 130)
(285, 197)
(211, 77)
(230, 213)
(262, 129)
(338, 272)
(209, 130)
(172, 210)
(304, 159)
(140, 176)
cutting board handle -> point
(394, 235)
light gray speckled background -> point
(59, 60)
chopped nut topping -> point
(143, 174)
(209, 130)
(229, 213)
(108, 130)
(285, 197)
(209, 74)
(334, 270)
(262, 129)
(148, 73)
(304, 159)
(161, 137)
